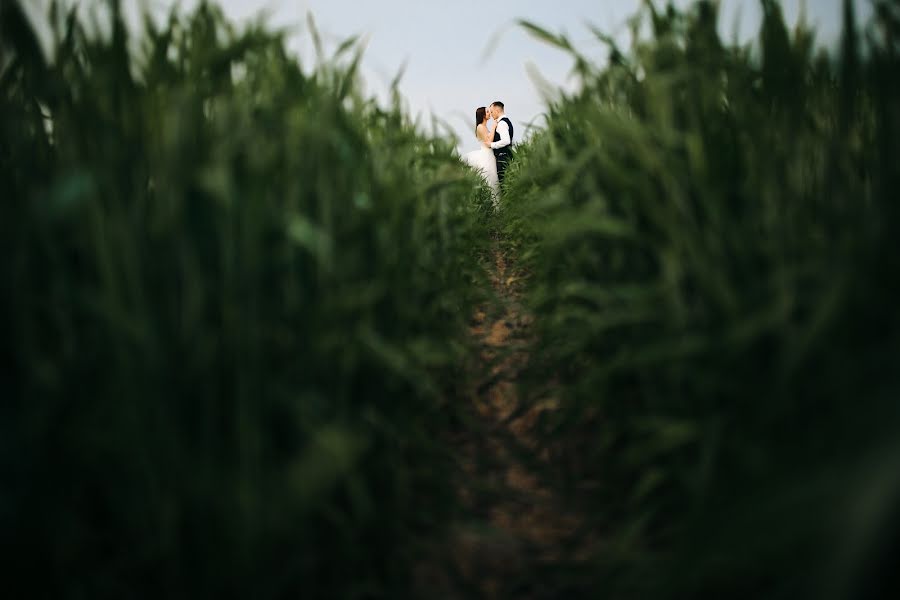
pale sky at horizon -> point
(444, 45)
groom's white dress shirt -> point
(503, 130)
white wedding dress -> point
(483, 160)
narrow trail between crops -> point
(515, 527)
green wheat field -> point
(243, 306)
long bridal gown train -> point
(483, 160)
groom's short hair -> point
(497, 103)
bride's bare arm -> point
(490, 137)
(483, 133)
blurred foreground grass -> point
(711, 236)
(235, 297)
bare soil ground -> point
(515, 525)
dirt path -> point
(514, 525)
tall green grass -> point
(711, 237)
(235, 302)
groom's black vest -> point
(505, 151)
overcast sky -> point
(445, 44)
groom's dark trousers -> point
(503, 156)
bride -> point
(483, 159)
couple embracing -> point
(496, 151)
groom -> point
(503, 137)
